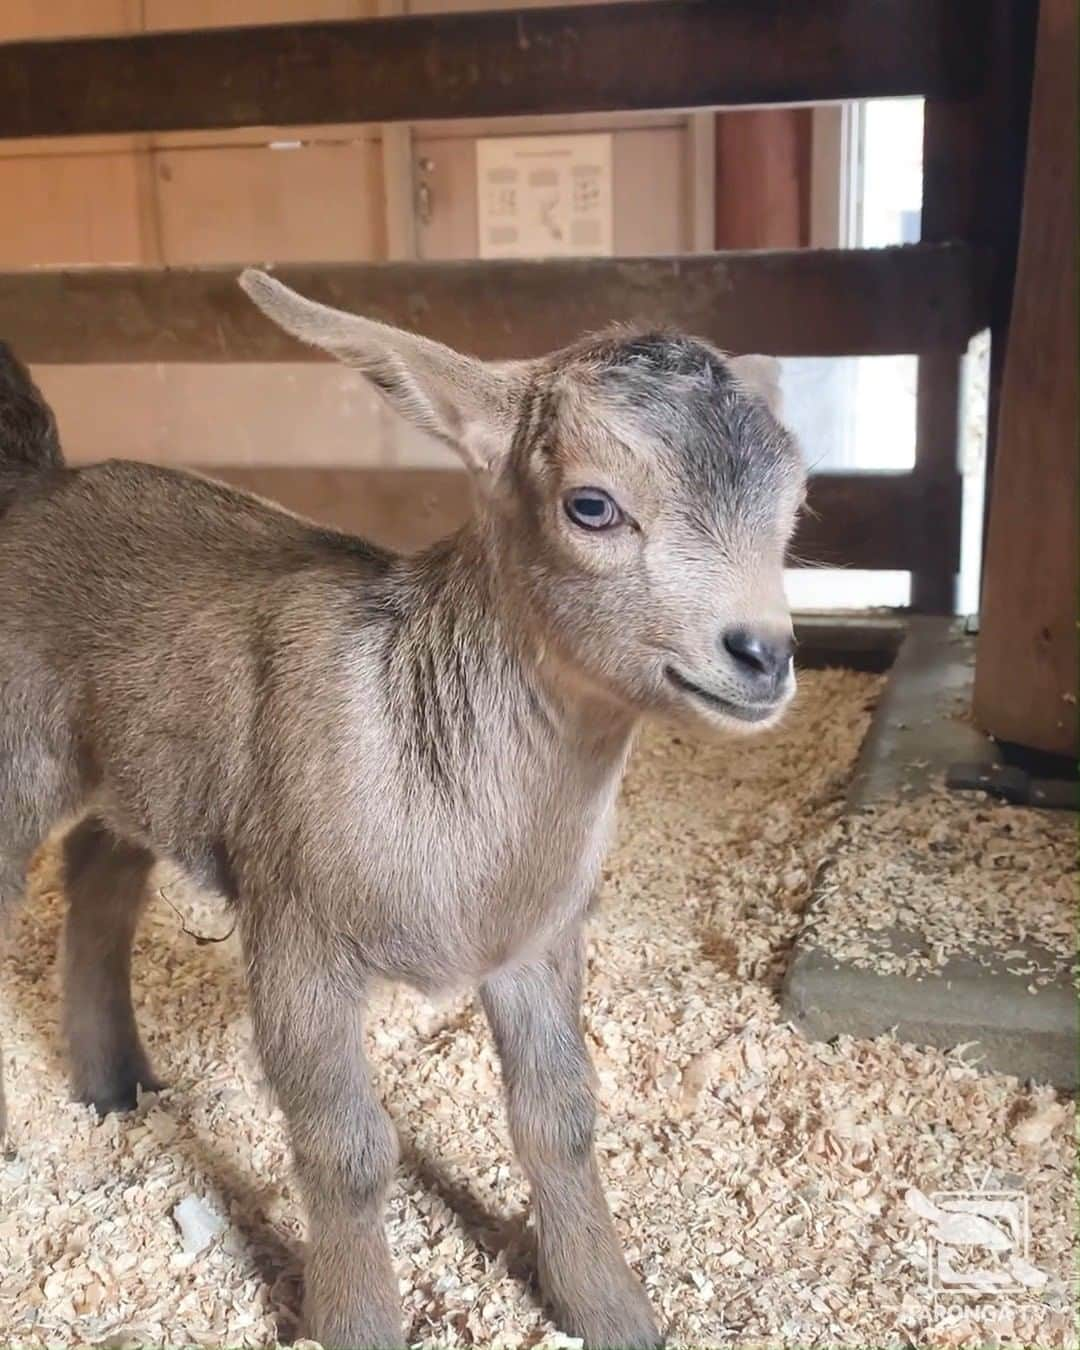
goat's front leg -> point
(307, 1015)
(534, 1013)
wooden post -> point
(399, 185)
(701, 182)
(1026, 671)
(973, 158)
(762, 159)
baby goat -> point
(391, 767)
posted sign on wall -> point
(544, 196)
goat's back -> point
(127, 536)
(149, 611)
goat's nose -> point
(759, 656)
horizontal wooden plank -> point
(596, 58)
(862, 520)
(853, 520)
(916, 298)
(853, 639)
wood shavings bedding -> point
(762, 1184)
(957, 874)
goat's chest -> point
(468, 879)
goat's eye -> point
(592, 509)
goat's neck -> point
(467, 647)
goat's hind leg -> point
(38, 785)
(12, 879)
(106, 884)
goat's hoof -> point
(119, 1097)
(375, 1335)
(647, 1336)
(623, 1326)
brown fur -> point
(390, 766)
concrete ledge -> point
(1031, 1030)
(1029, 1034)
(921, 725)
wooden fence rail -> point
(919, 298)
(854, 520)
(658, 54)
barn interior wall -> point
(290, 194)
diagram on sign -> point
(545, 196)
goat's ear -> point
(759, 375)
(470, 405)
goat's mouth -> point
(742, 712)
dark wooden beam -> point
(658, 54)
(937, 529)
(861, 520)
(803, 303)
(853, 520)
(853, 641)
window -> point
(857, 414)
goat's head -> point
(641, 493)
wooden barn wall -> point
(185, 198)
